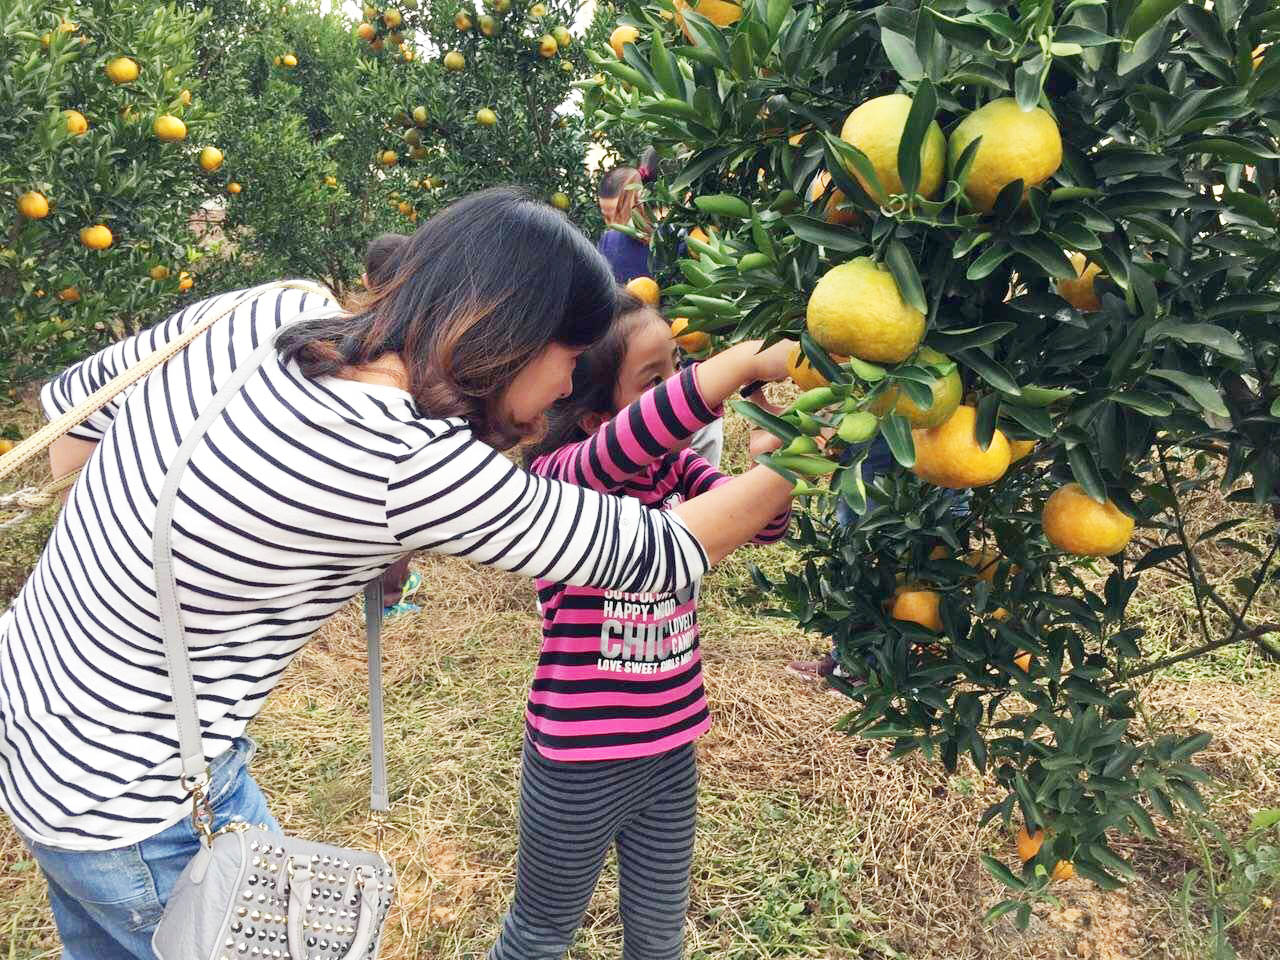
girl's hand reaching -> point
(721, 376)
(774, 363)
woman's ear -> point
(591, 422)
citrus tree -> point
(335, 129)
(1030, 248)
(100, 171)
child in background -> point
(617, 698)
(399, 583)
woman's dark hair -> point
(595, 379)
(379, 258)
(473, 296)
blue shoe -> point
(396, 609)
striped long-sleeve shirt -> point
(620, 672)
(302, 492)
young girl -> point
(617, 699)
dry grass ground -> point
(810, 843)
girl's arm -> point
(642, 433)
(664, 418)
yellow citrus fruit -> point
(33, 205)
(1016, 144)
(646, 289)
(455, 61)
(486, 117)
(488, 26)
(563, 37)
(1076, 523)
(697, 233)
(289, 60)
(949, 456)
(1029, 845)
(76, 123)
(856, 310)
(6, 445)
(388, 158)
(694, 342)
(917, 605)
(69, 295)
(561, 201)
(97, 237)
(159, 272)
(719, 12)
(185, 97)
(168, 127)
(233, 188)
(1079, 292)
(538, 10)
(185, 282)
(547, 46)
(876, 128)
(366, 32)
(1022, 660)
(462, 21)
(1020, 449)
(405, 207)
(803, 373)
(210, 159)
(947, 392)
(122, 70)
(835, 211)
(1258, 53)
(621, 36)
(420, 115)
(392, 19)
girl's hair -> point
(471, 299)
(379, 258)
(595, 378)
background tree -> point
(1137, 137)
(83, 87)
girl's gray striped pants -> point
(570, 815)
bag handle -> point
(30, 499)
(194, 776)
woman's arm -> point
(698, 477)
(731, 514)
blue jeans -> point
(107, 903)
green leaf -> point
(1197, 388)
(842, 156)
(1027, 82)
(1102, 854)
(903, 268)
(1048, 255)
(948, 340)
(1192, 745)
(1158, 556)
(897, 434)
(764, 419)
(664, 68)
(1147, 14)
(821, 360)
(1002, 873)
(989, 370)
(1148, 403)
(924, 105)
(987, 261)
(1083, 36)
(1085, 469)
(823, 234)
(1206, 334)
(707, 34)
(901, 52)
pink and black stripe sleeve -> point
(643, 433)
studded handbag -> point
(249, 892)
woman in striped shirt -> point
(368, 433)
(617, 699)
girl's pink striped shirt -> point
(620, 675)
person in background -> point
(399, 583)
(617, 698)
(620, 205)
